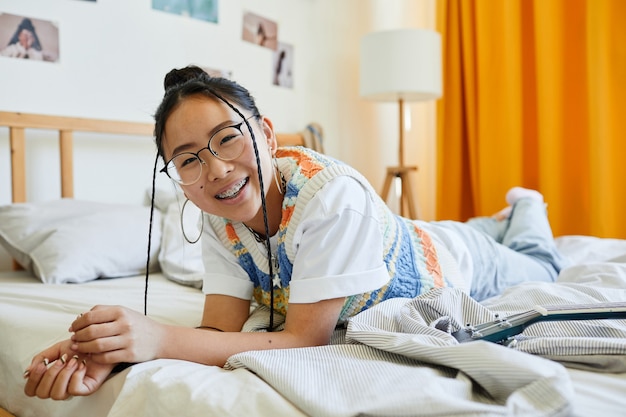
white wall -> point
(114, 54)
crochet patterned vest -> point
(408, 251)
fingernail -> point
(84, 361)
(75, 357)
(46, 361)
(64, 358)
(26, 373)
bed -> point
(393, 359)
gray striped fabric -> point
(392, 361)
(598, 345)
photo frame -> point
(28, 38)
(260, 31)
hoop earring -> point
(182, 224)
(280, 185)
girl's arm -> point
(107, 335)
(306, 325)
(117, 334)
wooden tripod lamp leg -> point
(407, 195)
(402, 172)
(391, 174)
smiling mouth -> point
(234, 191)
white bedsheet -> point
(34, 316)
(378, 372)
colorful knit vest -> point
(408, 253)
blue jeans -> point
(508, 252)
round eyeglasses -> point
(225, 144)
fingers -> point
(60, 370)
(59, 389)
(111, 357)
(37, 360)
(51, 381)
(77, 384)
(47, 356)
(115, 334)
(88, 378)
(102, 342)
(35, 373)
(104, 350)
(109, 334)
(97, 315)
(98, 331)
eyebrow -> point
(185, 147)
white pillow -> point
(73, 241)
(180, 260)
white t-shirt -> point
(16, 50)
(337, 246)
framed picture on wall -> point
(197, 9)
(28, 38)
(260, 31)
(283, 65)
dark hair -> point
(26, 24)
(192, 80)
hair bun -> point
(180, 76)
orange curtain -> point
(534, 95)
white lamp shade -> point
(401, 64)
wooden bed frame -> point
(66, 126)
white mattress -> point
(33, 316)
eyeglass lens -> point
(226, 144)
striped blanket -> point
(392, 360)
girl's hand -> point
(113, 334)
(58, 372)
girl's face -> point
(26, 38)
(227, 189)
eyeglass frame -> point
(208, 147)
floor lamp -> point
(401, 65)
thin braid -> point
(145, 289)
(268, 246)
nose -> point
(214, 168)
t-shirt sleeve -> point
(338, 245)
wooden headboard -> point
(66, 126)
